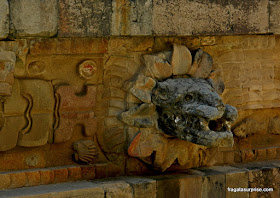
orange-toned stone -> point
(18, 179)
(33, 178)
(261, 154)
(248, 156)
(142, 88)
(271, 153)
(101, 170)
(88, 172)
(46, 176)
(74, 110)
(5, 181)
(60, 175)
(43, 46)
(157, 67)
(114, 170)
(74, 173)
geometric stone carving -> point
(178, 112)
(38, 95)
(72, 109)
(87, 69)
(28, 114)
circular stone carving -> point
(36, 67)
(87, 69)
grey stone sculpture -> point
(190, 109)
(180, 113)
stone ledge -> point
(202, 182)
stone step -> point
(53, 175)
(216, 181)
(124, 187)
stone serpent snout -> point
(190, 109)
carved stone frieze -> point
(181, 112)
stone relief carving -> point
(85, 151)
(29, 122)
(71, 110)
(36, 111)
(179, 101)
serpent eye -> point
(188, 97)
(163, 96)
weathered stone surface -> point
(204, 66)
(73, 110)
(274, 125)
(131, 17)
(178, 110)
(237, 180)
(181, 17)
(141, 116)
(39, 97)
(18, 179)
(60, 175)
(7, 68)
(4, 19)
(217, 81)
(21, 125)
(214, 186)
(32, 178)
(34, 18)
(85, 150)
(115, 189)
(181, 60)
(84, 19)
(32, 160)
(274, 14)
(158, 67)
(74, 173)
(142, 88)
(5, 181)
(142, 187)
(260, 123)
(47, 176)
(166, 150)
(141, 17)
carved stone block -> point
(24, 16)
(4, 19)
(28, 114)
(95, 15)
(72, 110)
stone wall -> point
(69, 18)
(82, 53)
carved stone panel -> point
(28, 114)
(71, 110)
